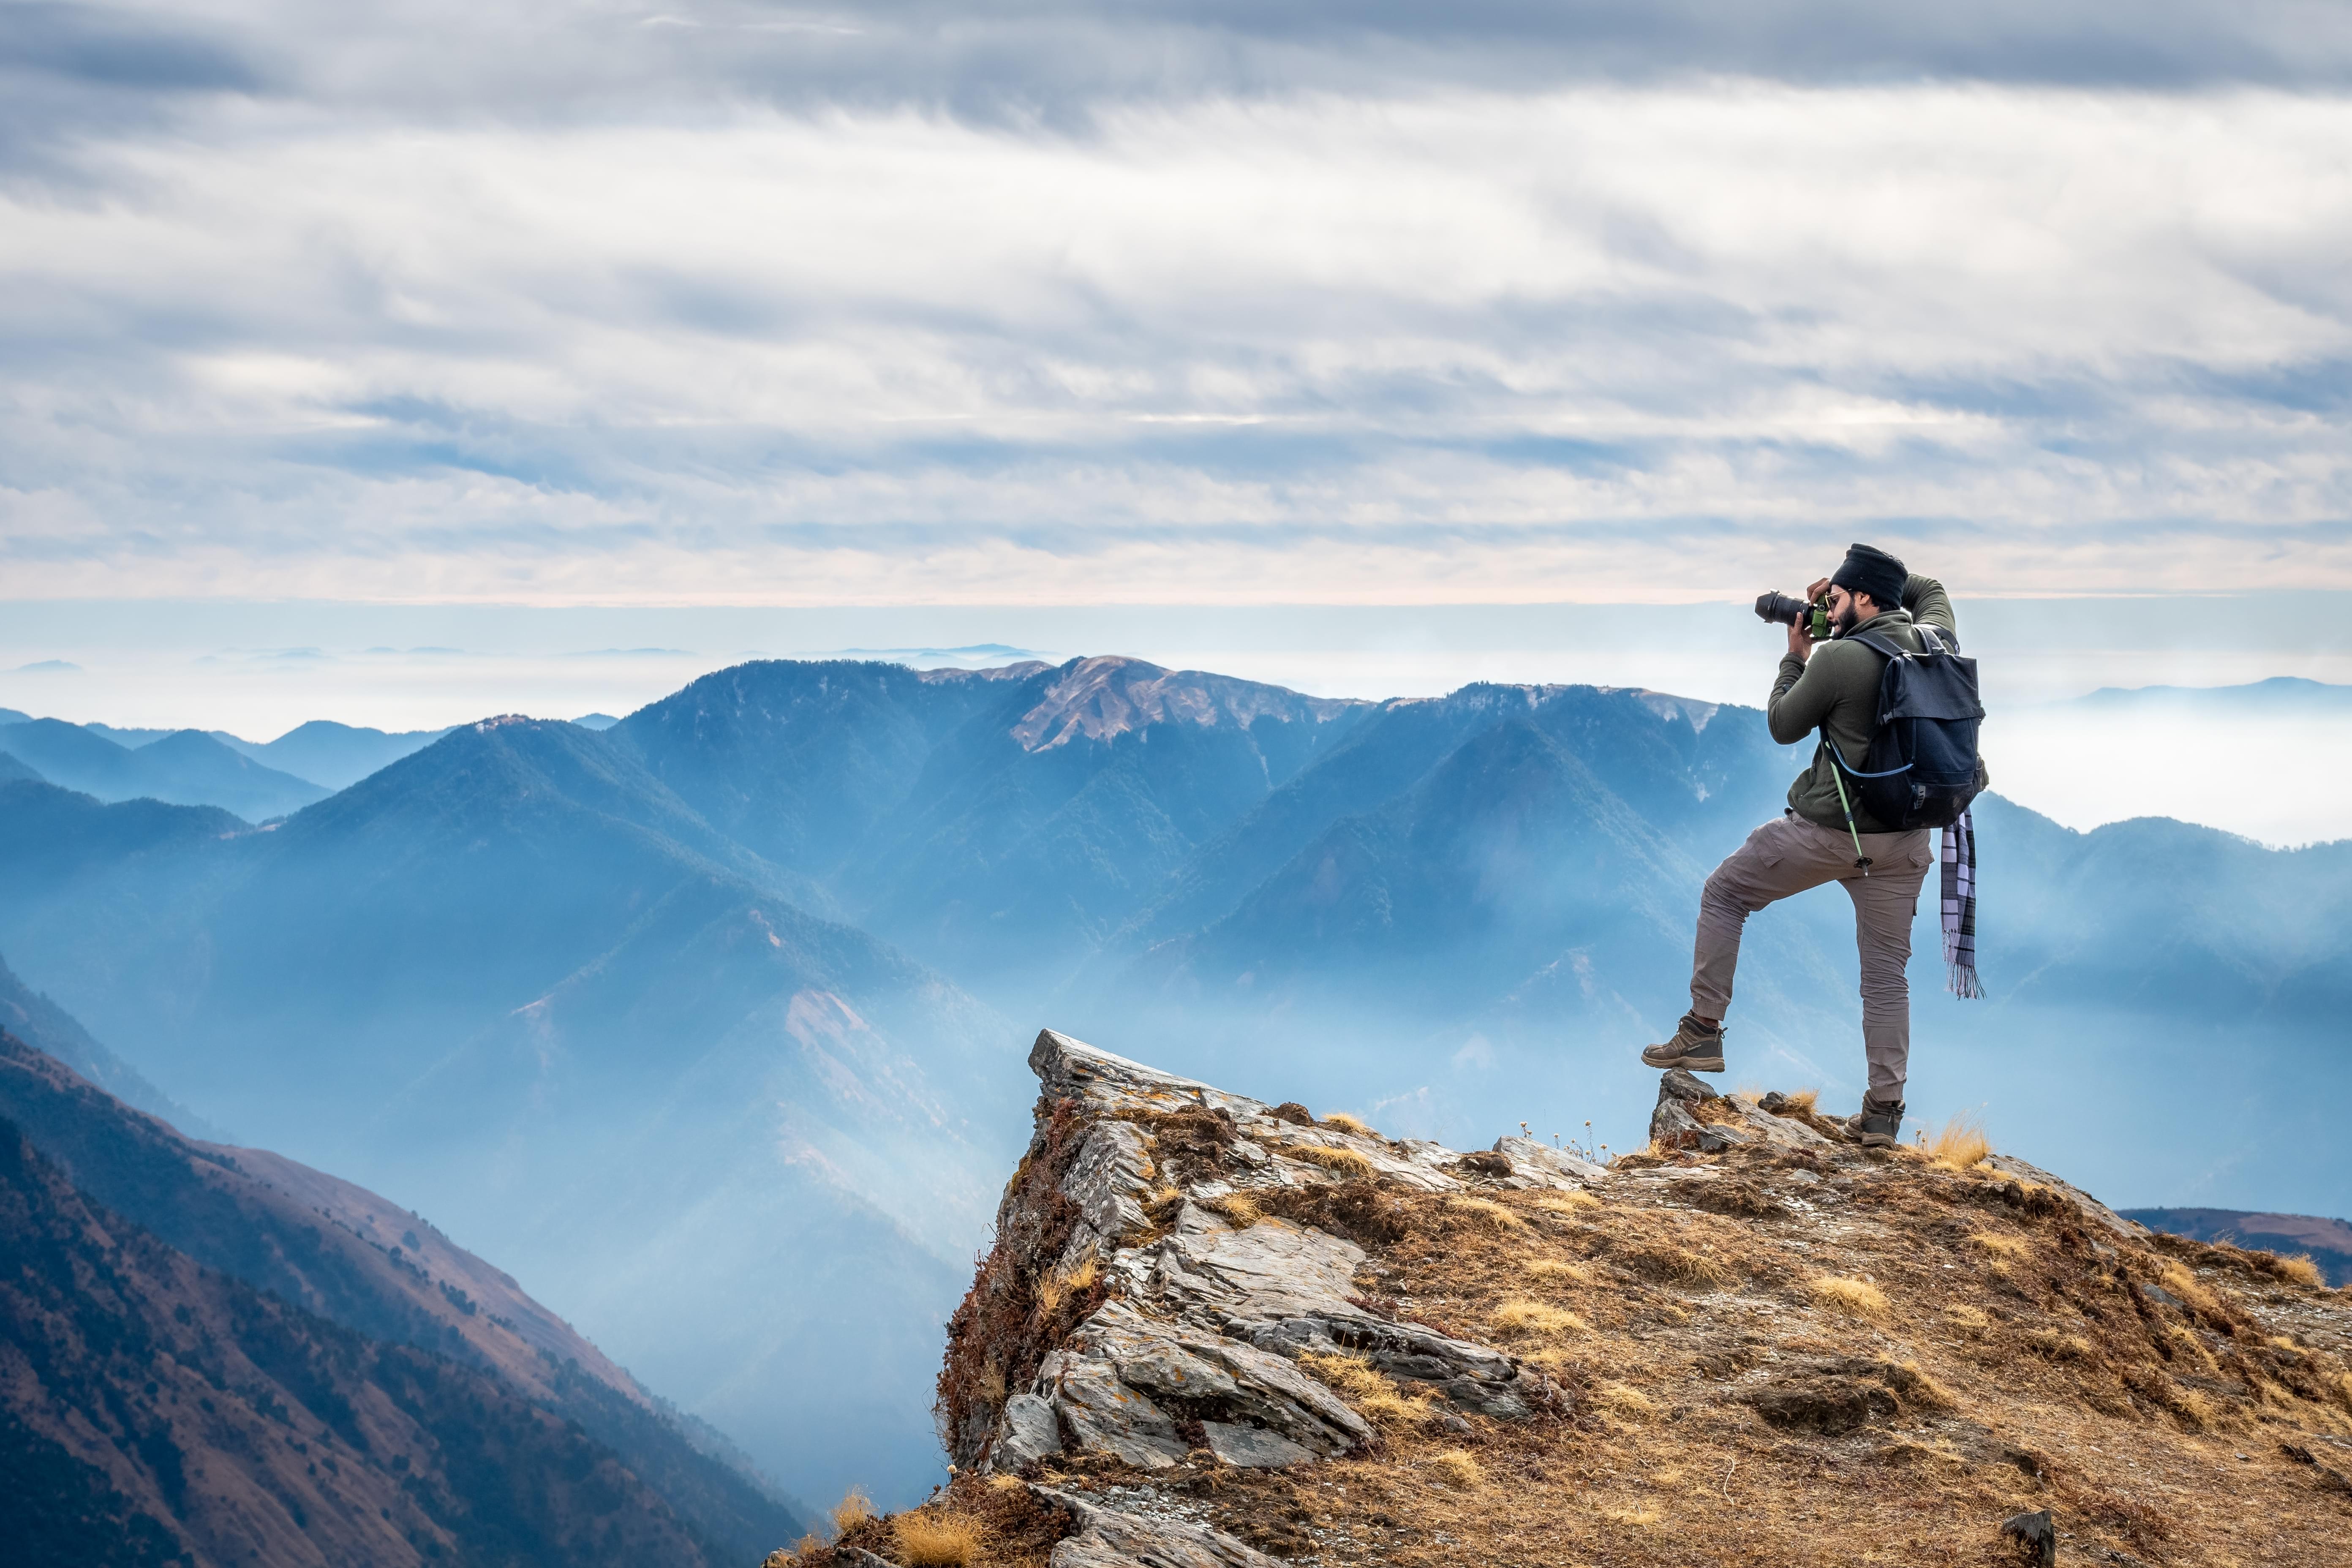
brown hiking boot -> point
(1694, 1048)
(1875, 1126)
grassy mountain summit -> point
(1223, 1333)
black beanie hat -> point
(1872, 571)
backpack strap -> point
(1875, 643)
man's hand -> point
(1800, 642)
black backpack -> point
(1922, 768)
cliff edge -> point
(1214, 1332)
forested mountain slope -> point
(340, 1252)
(154, 1411)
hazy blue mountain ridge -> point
(1685, 767)
(189, 767)
(50, 835)
(998, 823)
(35, 1018)
(799, 761)
(1506, 853)
(2280, 694)
(333, 756)
(1041, 825)
(2165, 916)
(515, 980)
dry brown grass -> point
(1458, 1469)
(1518, 1318)
(1556, 1271)
(1926, 1390)
(1239, 1207)
(1966, 1319)
(1850, 1298)
(2059, 1345)
(1572, 1204)
(1622, 1399)
(2187, 1339)
(1486, 1213)
(930, 1540)
(2177, 1280)
(2301, 1270)
(1961, 1145)
(1372, 1396)
(1340, 1121)
(2196, 1411)
(1059, 1286)
(1677, 1265)
(1999, 1244)
(1805, 1100)
(853, 1509)
(1345, 1162)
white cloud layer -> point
(1350, 342)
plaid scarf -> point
(1959, 855)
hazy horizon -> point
(255, 671)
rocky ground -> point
(1218, 1332)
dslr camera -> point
(1791, 612)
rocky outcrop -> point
(1113, 1537)
(1160, 1282)
(1692, 1117)
(1213, 1329)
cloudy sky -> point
(705, 301)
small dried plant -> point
(853, 1510)
(1851, 1297)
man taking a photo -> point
(1833, 686)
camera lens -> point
(1782, 608)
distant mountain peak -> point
(1107, 695)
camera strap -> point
(1838, 770)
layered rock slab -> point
(1200, 1337)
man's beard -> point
(1845, 620)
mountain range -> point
(707, 1024)
(187, 1321)
(189, 767)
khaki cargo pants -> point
(1789, 855)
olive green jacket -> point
(1836, 693)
